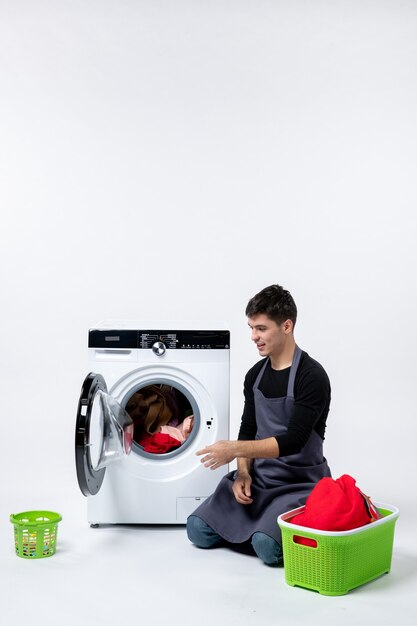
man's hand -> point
(218, 454)
(241, 488)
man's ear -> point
(288, 327)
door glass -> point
(163, 418)
(111, 431)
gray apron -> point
(278, 485)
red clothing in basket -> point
(336, 505)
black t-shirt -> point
(311, 402)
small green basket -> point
(337, 562)
(35, 533)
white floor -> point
(116, 575)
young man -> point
(279, 450)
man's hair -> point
(275, 302)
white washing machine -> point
(131, 464)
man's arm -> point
(241, 486)
(223, 452)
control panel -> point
(151, 339)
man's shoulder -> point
(254, 370)
(311, 369)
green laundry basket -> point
(337, 562)
(35, 533)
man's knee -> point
(267, 549)
(201, 534)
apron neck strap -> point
(293, 371)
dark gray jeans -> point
(203, 536)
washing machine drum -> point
(103, 435)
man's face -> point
(269, 337)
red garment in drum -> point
(159, 443)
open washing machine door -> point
(103, 433)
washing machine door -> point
(103, 433)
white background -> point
(169, 159)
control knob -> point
(159, 348)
